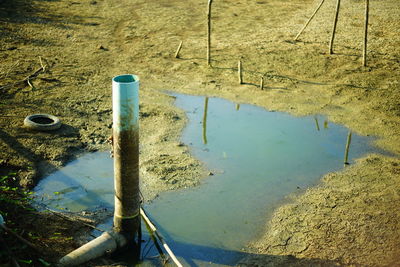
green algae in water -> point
(257, 157)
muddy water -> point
(256, 158)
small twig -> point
(262, 83)
(41, 64)
(11, 68)
(13, 259)
(20, 238)
(27, 79)
(83, 221)
(178, 50)
(30, 84)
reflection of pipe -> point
(346, 152)
(205, 121)
(126, 175)
(316, 123)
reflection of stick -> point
(178, 50)
(309, 20)
(205, 120)
(365, 33)
(153, 238)
(346, 153)
(262, 83)
(237, 106)
(334, 27)
(240, 75)
(154, 230)
(316, 123)
(209, 33)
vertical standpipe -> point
(125, 92)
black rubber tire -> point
(49, 122)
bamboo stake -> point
(365, 33)
(178, 50)
(209, 33)
(262, 83)
(309, 20)
(334, 27)
(205, 120)
(165, 245)
(240, 75)
(346, 153)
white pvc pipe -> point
(125, 90)
(107, 242)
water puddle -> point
(257, 158)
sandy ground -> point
(352, 218)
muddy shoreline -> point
(84, 44)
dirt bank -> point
(83, 44)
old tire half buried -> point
(42, 122)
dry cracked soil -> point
(58, 57)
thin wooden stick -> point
(262, 83)
(309, 20)
(178, 50)
(365, 33)
(334, 27)
(240, 75)
(209, 33)
(33, 75)
(13, 259)
(165, 245)
(41, 64)
(31, 84)
(20, 238)
(346, 152)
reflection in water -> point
(326, 124)
(205, 121)
(346, 152)
(316, 123)
(263, 156)
(237, 107)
